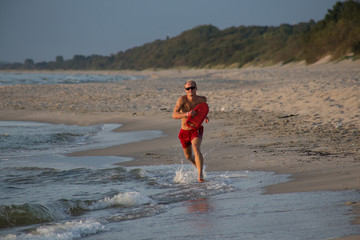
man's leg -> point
(199, 160)
(188, 155)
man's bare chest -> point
(190, 105)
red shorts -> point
(186, 136)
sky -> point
(44, 29)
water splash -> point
(186, 175)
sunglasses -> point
(188, 88)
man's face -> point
(190, 89)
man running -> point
(190, 139)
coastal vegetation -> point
(206, 46)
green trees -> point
(29, 62)
(338, 35)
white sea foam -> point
(235, 174)
(187, 175)
(62, 231)
(126, 199)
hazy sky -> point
(44, 29)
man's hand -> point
(192, 113)
(207, 120)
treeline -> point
(338, 35)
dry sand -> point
(294, 119)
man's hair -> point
(191, 81)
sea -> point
(45, 194)
(28, 78)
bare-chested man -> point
(190, 139)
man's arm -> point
(176, 113)
(206, 118)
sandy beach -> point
(293, 119)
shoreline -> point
(297, 120)
(271, 113)
(252, 153)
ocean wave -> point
(64, 231)
(27, 214)
(127, 199)
(19, 139)
(81, 176)
(25, 137)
